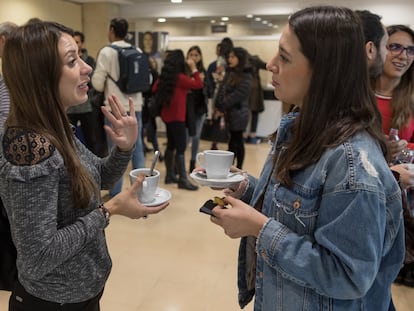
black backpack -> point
(134, 70)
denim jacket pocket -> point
(296, 210)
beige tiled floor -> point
(178, 260)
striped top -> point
(4, 103)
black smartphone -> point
(207, 207)
(210, 204)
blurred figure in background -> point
(233, 100)
(256, 100)
(171, 90)
(197, 103)
(149, 121)
(215, 74)
(87, 117)
(107, 66)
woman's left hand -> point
(124, 128)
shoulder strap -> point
(120, 48)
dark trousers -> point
(20, 300)
(176, 137)
(236, 145)
(8, 254)
(253, 121)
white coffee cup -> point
(149, 186)
(217, 163)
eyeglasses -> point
(396, 49)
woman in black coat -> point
(233, 100)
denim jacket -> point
(334, 240)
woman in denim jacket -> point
(326, 224)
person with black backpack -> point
(123, 70)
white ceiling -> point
(392, 11)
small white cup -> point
(149, 186)
(217, 163)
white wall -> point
(19, 11)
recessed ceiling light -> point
(224, 18)
(275, 26)
(161, 20)
(213, 21)
(249, 15)
(258, 19)
(264, 22)
(176, 1)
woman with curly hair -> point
(170, 93)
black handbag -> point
(154, 107)
(213, 131)
(8, 254)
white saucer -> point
(161, 196)
(202, 180)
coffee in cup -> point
(146, 193)
(217, 163)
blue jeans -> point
(195, 140)
(138, 156)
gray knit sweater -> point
(62, 254)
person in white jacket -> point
(107, 65)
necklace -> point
(386, 94)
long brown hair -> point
(402, 102)
(339, 102)
(32, 69)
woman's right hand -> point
(239, 219)
(127, 204)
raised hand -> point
(124, 128)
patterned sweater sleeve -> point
(46, 229)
